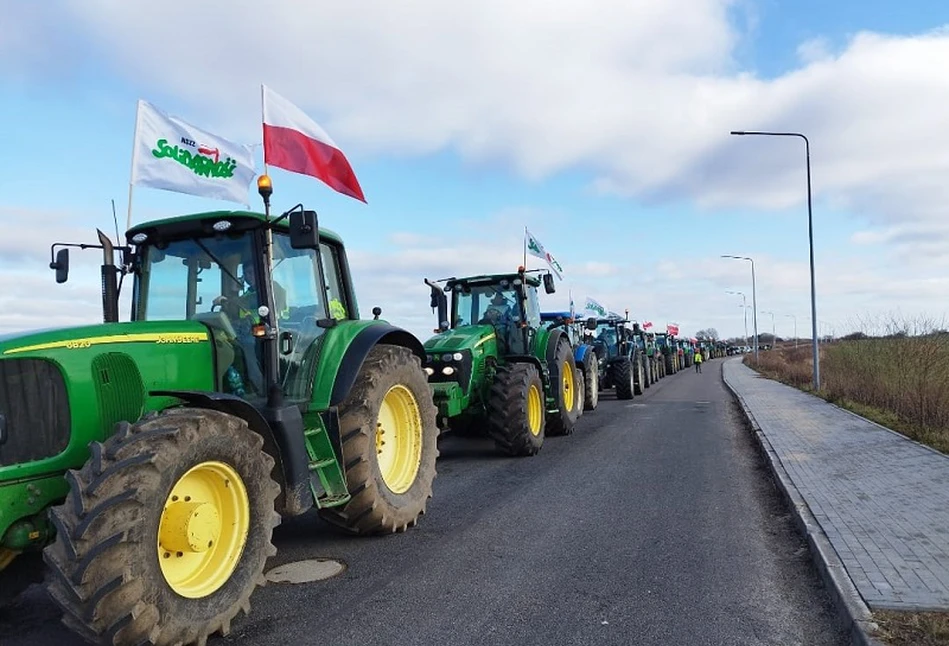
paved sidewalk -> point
(881, 499)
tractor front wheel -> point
(621, 374)
(591, 379)
(639, 376)
(516, 410)
(564, 387)
(165, 531)
(389, 433)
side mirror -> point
(304, 231)
(376, 312)
(549, 285)
(61, 265)
(591, 323)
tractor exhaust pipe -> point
(110, 288)
(439, 302)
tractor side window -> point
(338, 307)
(533, 309)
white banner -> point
(173, 155)
(535, 248)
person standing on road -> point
(698, 361)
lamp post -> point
(795, 327)
(744, 311)
(774, 336)
(810, 238)
(754, 298)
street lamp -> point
(744, 310)
(774, 337)
(795, 327)
(754, 298)
(810, 238)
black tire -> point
(647, 371)
(508, 423)
(591, 382)
(374, 508)
(622, 377)
(568, 405)
(639, 375)
(104, 564)
(581, 389)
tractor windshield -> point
(485, 304)
(606, 336)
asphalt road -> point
(654, 523)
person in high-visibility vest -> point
(698, 360)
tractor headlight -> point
(139, 237)
(457, 356)
(221, 226)
(448, 370)
(446, 357)
(429, 371)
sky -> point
(601, 126)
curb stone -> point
(851, 609)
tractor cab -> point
(609, 337)
(265, 316)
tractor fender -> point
(283, 440)
(359, 348)
(580, 354)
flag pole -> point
(525, 246)
(263, 121)
(138, 116)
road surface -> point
(654, 523)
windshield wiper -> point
(219, 263)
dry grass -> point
(900, 381)
(912, 628)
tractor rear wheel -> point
(591, 382)
(564, 387)
(516, 410)
(639, 375)
(647, 371)
(165, 531)
(622, 377)
(390, 443)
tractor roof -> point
(491, 279)
(553, 316)
(198, 223)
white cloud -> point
(639, 94)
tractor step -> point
(329, 486)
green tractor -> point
(159, 454)
(620, 365)
(494, 368)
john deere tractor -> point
(162, 452)
(583, 354)
(616, 357)
(494, 369)
(666, 346)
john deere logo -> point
(204, 160)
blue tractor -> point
(583, 354)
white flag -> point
(535, 248)
(596, 308)
(172, 155)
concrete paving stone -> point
(881, 499)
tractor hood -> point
(466, 337)
(41, 342)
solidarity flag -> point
(173, 155)
(294, 142)
(596, 308)
(535, 248)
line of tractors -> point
(149, 461)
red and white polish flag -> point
(294, 142)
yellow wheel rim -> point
(203, 529)
(6, 556)
(535, 409)
(568, 385)
(399, 439)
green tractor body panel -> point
(463, 352)
(65, 388)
